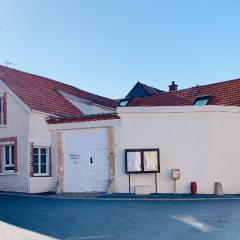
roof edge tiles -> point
(87, 118)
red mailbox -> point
(193, 187)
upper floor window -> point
(41, 161)
(3, 108)
(202, 101)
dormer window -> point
(124, 102)
(3, 109)
(202, 101)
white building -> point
(26, 100)
(57, 137)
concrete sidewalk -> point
(160, 196)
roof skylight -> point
(202, 101)
(124, 102)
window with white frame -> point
(1, 110)
(8, 162)
(41, 161)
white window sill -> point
(9, 174)
(41, 176)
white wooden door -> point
(75, 174)
(86, 160)
(99, 170)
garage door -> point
(86, 166)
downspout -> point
(28, 152)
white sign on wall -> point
(74, 158)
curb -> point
(61, 197)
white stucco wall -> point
(41, 136)
(203, 142)
(17, 125)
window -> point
(1, 110)
(8, 158)
(8, 155)
(124, 102)
(202, 101)
(41, 161)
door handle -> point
(91, 160)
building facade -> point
(54, 137)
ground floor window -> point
(8, 158)
(41, 161)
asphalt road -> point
(43, 218)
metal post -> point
(129, 184)
(156, 183)
(175, 186)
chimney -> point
(173, 87)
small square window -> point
(202, 101)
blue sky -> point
(106, 46)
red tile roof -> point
(89, 118)
(223, 93)
(41, 94)
(151, 90)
